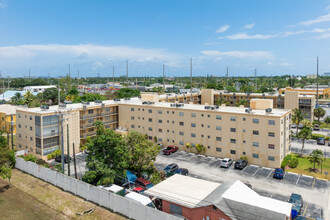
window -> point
(150, 119)
(181, 113)
(208, 126)
(132, 126)
(256, 132)
(193, 125)
(193, 135)
(255, 144)
(160, 130)
(271, 158)
(255, 121)
(218, 128)
(208, 116)
(202, 115)
(150, 110)
(31, 138)
(244, 119)
(160, 139)
(19, 115)
(193, 115)
(181, 143)
(181, 123)
(232, 129)
(244, 141)
(244, 130)
(208, 136)
(19, 125)
(271, 146)
(181, 133)
(172, 112)
(233, 141)
(160, 121)
(175, 209)
(30, 128)
(218, 149)
(150, 137)
(232, 151)
(19, 135)
(218, 138)
(218, 117)
(107, 109)
(255, 156)
(232, 118)
(271, 134)
(202, 125)
(271, 122)
(138, 109)
(92, 120)
(91, 111)
(150, 128)
(160, 112)
(132, 117)
(202, 135)
(30, 117)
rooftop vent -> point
(127, 98)
(207, 107)
(62, 105)
(98, 101)
(269, 110)
(67, 102)
(117, 100)
(44, 107)
(248, 110)
(85, 103)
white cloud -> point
(249, 26)
(222, 29)
(239, 54)
(323, 36)
(246, 36)
(317, 20)
(327, 8)
(3, 4)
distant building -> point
(6, 96)
(37, 88)
(197, 199)
(324, 91)
(327, 74)
(7, 116)
(311, 76)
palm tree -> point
(297, 117)
(315, 157)
(304, 133)
(28, 97)
(16, 98)
(327, 120)
(319, 112)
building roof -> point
(39, 87)
(10, 93)
(138, 102)
(8, 109)
(258, 94)
(235, 199)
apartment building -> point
(324, 91)
(42, 130)
(8, 118)
(290, 100)
(260, 135)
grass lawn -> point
(304, 168)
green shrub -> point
(317, 136)
(29, 157)
(327, 138)
(243, 158)
(293, 162)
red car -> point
(139, 189)
(140, 182)
(170, 150)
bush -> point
(327, 138)
(54, 154)
(29, 157)
(243, 158)
(317, 136)
(294, 162)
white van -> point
(144, 200)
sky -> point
(275, 37)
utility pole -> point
(69, 77)
(78, 77)
(59, 93)
(29, 74)
(317, 82)
(164, 78)
(271, 81)
(227, 76)
(113, 78)
(12, 131)
(48, 78)
(255, 77)
(62, 147)
(127, 72)
(74, 162)
(191, 76)
(68, 148)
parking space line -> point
(283, 176)
(253, 165)
(308, 176)
(313, 183)
(269, 173)
(244, 168)
(293, 173)
(305, 210)
(298, 179)
(256, 171)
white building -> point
(37, 88)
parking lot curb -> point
(321, 179)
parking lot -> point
(261, 178)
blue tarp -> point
(131, 176)
(294, 213)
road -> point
(260, 178)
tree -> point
(17, 99)
(304, 133)
(127, 93)
(5, 172)
(327, 120)
(7, 159)
(315, 157)
(297, 117)
(319, 112)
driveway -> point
(260, 178)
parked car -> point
(297, 202)
(240, 164)
(293, 126)
(182, 171)
(140, 182)
(170, 150)
(329, 143)
(321, 141)
(300, 126)
(139, 189)
(278, 173)
(227, 162)
(316, 127)
(58, 159)
(171, 168)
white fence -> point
(96, 195)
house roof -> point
(235, 199)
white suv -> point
(226, 162)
